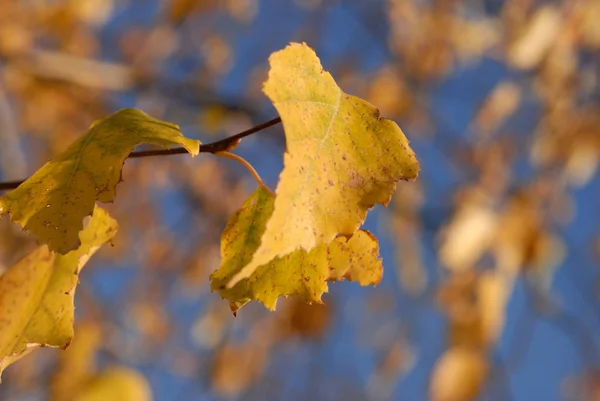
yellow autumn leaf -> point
(342, 158)
(52, 203)
(76, 377)
(459, 375)
(355, 259)
(77, 365)
(117, 383)
(36, 294)
(300, 273)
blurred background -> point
(491, 286)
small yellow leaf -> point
(116, 383)
(342, 158)
(467, 236)
(355, 259)
(459, 375)
(36, 294)
(494, 289)
(53, 202)
(300, 273)
(77, 364)
(76, 377)
(177, 10)
(236, 368)
(538, 38)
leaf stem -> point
(251, 169)
(219, 146)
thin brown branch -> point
(231, 142)
(222, 145)
(4, 186)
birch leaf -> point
(52, 203)
(342, 158)
(36, 294)
(117, 383)
(300, 273)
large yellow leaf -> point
(53, 202)
(301, 273)
(342, 158)
(36, 294)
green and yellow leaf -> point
(52, 203)
(300, 273)
(36, 294)
(342, 158)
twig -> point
(222, 145)
(251, 169)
